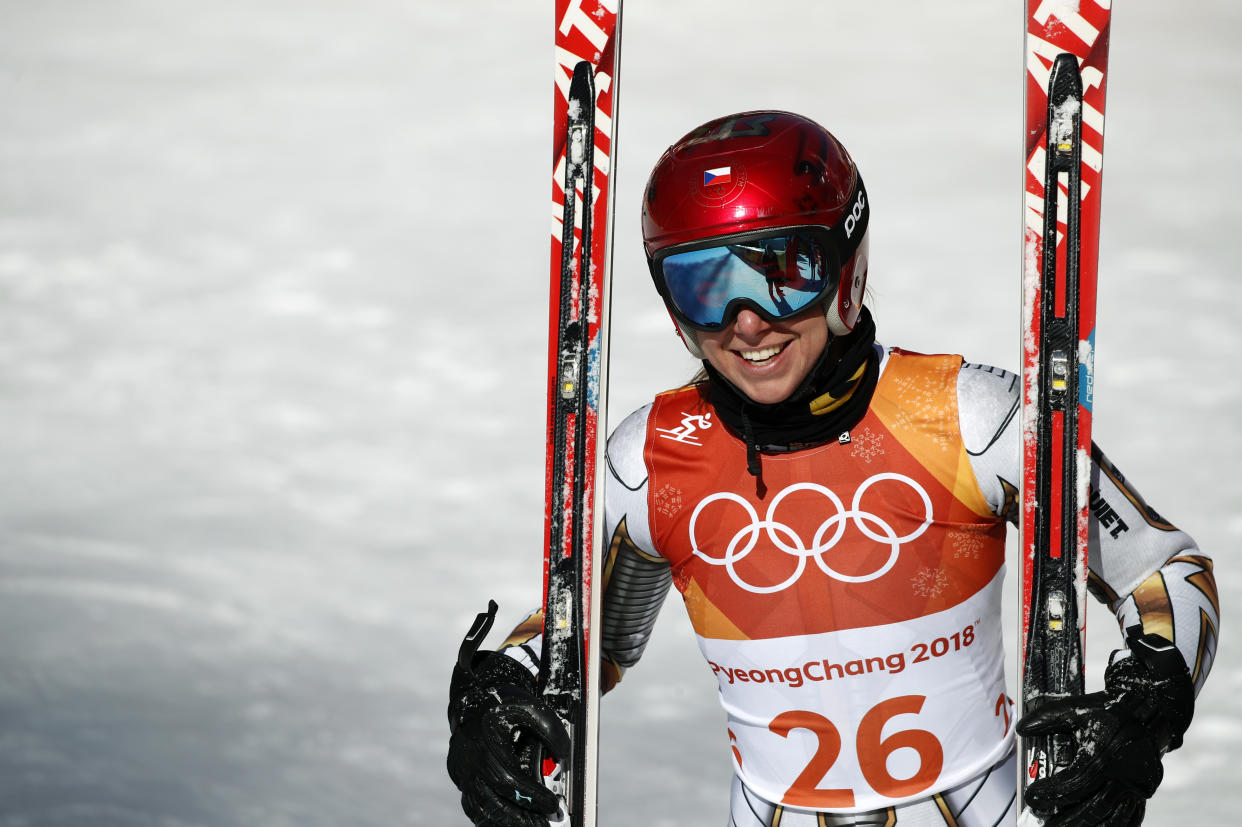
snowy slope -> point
(272, 352)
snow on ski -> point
(1066, 62)
(584, 150)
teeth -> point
(760, 355)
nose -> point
(748, 324)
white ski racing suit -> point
(849, 600)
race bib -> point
(861, 719)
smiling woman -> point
(834, 513)
(755, 230)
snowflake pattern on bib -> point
(867, 445)
(668, 501)
(929, 582)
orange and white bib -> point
(848, 603)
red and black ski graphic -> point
(1066, 62)
(587, 46)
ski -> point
(1066, 61)
(587, 46)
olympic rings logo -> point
(787, 540)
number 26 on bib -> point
(873, 750)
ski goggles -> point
(777, 273)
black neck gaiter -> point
(831, 400)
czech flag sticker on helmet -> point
(719, 185)
(717, 177)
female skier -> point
(833, 513)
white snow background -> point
(272, 350)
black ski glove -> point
(498, 721)
(1120, 736)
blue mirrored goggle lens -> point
(781, 276)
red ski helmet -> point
(761, 175)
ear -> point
(842, 309)
(687, 338)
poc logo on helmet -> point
(851, 220)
